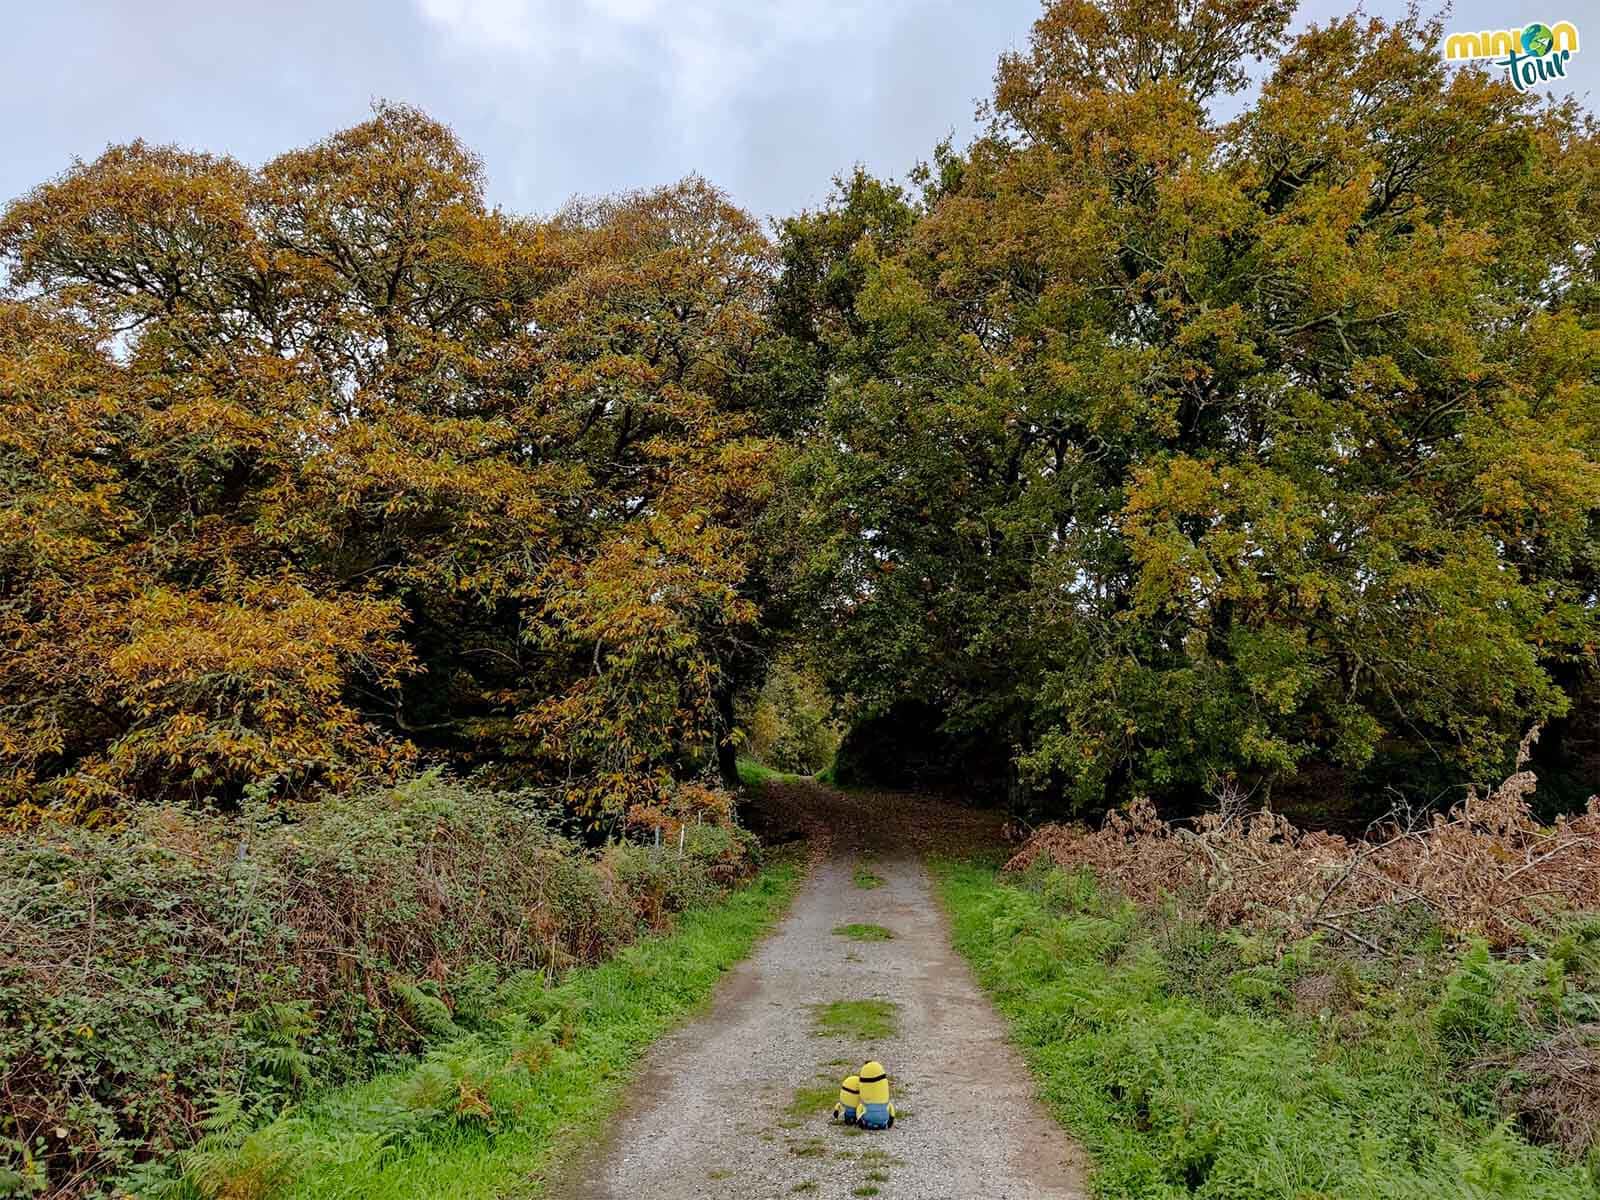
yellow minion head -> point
(850, 1093)
(874, 1082)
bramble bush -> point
(161, 974)
(1499, 914)
(1486, 868)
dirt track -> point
(729, 1105)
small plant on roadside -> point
(808, 1101)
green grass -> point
(863, 933)
(545, 1087)
(754, 775)
(807, 1102)
(856, 1018)
(866, 878)
(1172, 1053)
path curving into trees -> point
(736, 1102)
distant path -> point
(712, 1112)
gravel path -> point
(731, 1104)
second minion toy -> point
(849, 1098)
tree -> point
(1169, 448)
(319, 467)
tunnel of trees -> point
(1185, 431)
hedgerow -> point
(1516, 1022)
(179, 967)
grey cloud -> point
(558, 96)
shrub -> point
(1477, 1013)
(157, 974)
(790, 723)
(1484, 869)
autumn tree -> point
(1168, 448)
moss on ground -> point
(863, 933)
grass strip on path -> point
(863, 933)
(499, 1113)
(856, 1018)
(1175, 1095)
(866, 878)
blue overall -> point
(875, 1116)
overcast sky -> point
(582, 96)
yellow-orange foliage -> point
(306, 469)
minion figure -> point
(849, 1098)
(874, 1111)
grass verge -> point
(1164, 1049)
(492, 1115)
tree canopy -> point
(315, 468)
(1199, 424)
(1179, 450)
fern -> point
(426, 1012)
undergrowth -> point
(1201, 1062)
(504, 1103)
(181, 973)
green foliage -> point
(1478, 1011)
(1155, 449)
(789, 723)
(756, 775)
(422, 1007)
(506, 1102)
(184, 963)
(1196, 1064)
